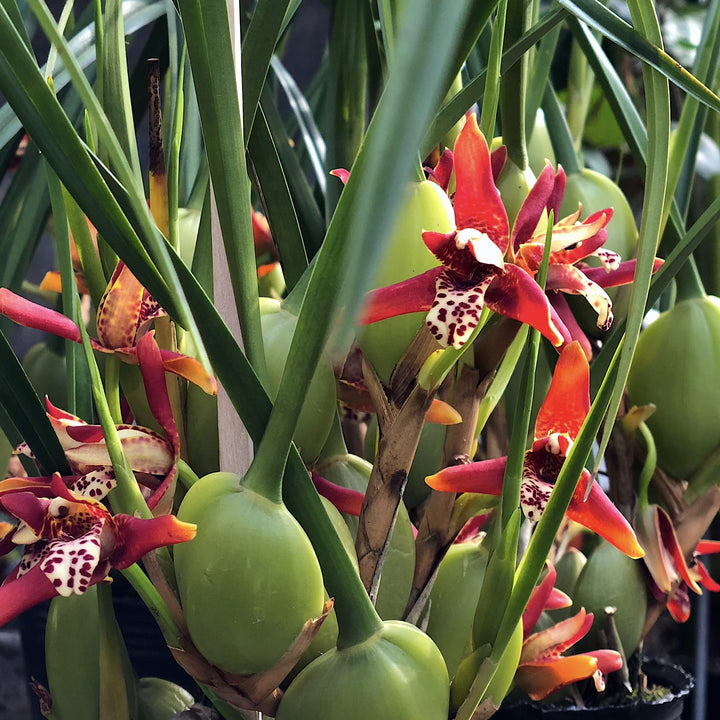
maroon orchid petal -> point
(535, 204)
(558, 192)
(477, 201)
(416, 294)
(623, 275)
(28, 508)
(539, 600)
(40, 486)
(18, 594)
(345, 500)
(569, 279)
(565, 321)
(135, 537)
(497, 159)
(671, 543)
(599, 514)
(554, 640)
(567, 402)
(153, 374)
(86, 433)
(484, 477)
(471, 529)
(442, 172)
(516, 295)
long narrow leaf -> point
(257, 50)
(309, 215)
(657, 94)
(207, 33)
(277, 201)
(115, 84)
(600, 18)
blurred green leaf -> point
(137, 14)
(599, 17)
(258, 46)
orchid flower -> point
(543, 669)
(124, 314)
(148, 453)
(473, 272)
(558, 424)
(573, 242)
(71, 539)
(671, 575)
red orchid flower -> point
(71, 541)
(124, 314)
(149, 454)
(671, 575)
(473, 272)
(543, 669)
(573, 242)
(558, 424)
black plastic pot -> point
(659, 672)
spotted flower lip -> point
(558, 424)
(148, 453)
(122, 318)
(473, 271)
(543, 669)
(71, 541)
(478, 207)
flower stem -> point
(648, 468)
(112, 388)
(157, 606)
(512, 85)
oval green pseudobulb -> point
(397, 674)
(249, 580)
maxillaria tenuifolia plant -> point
(389, 389)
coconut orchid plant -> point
(347, 379)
